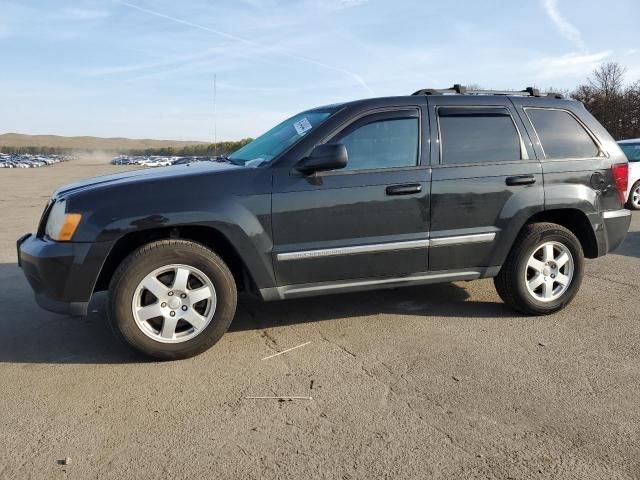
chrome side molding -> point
(334, 252)
(463, 239)
(386, 247)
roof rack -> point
(458, 89)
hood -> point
(144, 175)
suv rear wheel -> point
(543, 271)
(172, 299)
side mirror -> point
(324, 157)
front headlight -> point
(61, 225)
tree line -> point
(196, 150)
(204, 150)
(36, 150)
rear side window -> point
(561, 134)
(476, 135)
(383, 144)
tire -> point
(526, 265)
(192, 284)
(633, 202)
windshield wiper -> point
(232, 161)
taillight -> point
(621, 177)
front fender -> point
(236, 204)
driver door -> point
(368, 220)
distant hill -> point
(19, 140)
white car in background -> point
(631, 148)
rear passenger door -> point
(486, 181)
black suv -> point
(438, 186)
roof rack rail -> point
(458, 89)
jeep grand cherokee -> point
(438, 186)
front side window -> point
(271, 144)
(477, 135)
(631, 150)
(561, 135)
(382, 144)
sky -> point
(145, 69)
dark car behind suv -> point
(438, 186)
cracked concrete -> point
(439, 382)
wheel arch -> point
(576, 221)
(208, 236)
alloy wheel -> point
(174, 303)
(549, 271)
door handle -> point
(404, 189)
(521, 180)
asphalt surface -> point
(439, 381)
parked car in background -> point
(156, 160)
(631, 149)
(25, 160)
(438, 186)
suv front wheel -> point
(543, 271)
(172, 299)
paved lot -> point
(433, 382)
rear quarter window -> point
(561, 135)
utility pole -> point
(215, 120)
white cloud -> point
(569, 65)
(84, 14)
(633, 73)
(312, 6)
(566, 29)
(350, 3)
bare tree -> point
(608, 78)
(617, 107)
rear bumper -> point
(61, 274)
(616, 225)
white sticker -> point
(302, 126)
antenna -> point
(215, 122)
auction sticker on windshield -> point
(302, 126)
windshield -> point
(631, 150)
(271, 144)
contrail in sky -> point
(566, 28)
(229, 36)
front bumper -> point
(61, 274)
